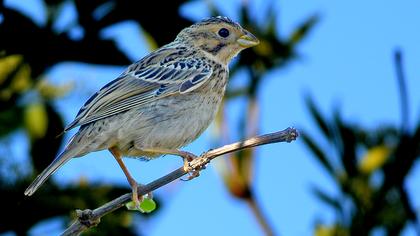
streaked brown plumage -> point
(160, 103)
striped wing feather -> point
(148, 81)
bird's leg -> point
(187, 157)
(133, 183)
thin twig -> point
(90, 218)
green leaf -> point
(302, 31)
(317, 116)
(36, 120)
(10, 120)
(329, 200)
(147, 205)
(347, 145)
(319, 154)
(44, 149)
(131, 206)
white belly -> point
(169, 124)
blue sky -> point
(346, 61)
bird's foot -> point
(191, 175)
(136, 199)
(188, 157)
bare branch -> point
(89, 218)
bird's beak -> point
(248, 40)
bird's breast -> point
(173, 121)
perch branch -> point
(90, 218)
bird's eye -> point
(223, 32)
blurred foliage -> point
(56, 201)
(26, 61)
(273, 52)
(27, 51)
(369, 167)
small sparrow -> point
(160, 103)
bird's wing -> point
(155, 76)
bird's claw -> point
(192, 173)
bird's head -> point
(218, 36)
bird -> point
(160, 103)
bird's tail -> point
(60, 160)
